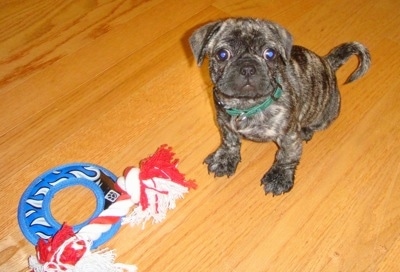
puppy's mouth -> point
(245, 106)
(245, 91)
(248, 88)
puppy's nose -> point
(248, 70)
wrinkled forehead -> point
(245, 33)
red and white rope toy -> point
(147, 192)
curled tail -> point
(340, 54)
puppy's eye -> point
(223, 54)
(269, 54)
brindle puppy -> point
(266, 89)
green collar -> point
(257, 108)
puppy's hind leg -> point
(280, 177)
(329, 114)
(306, 134)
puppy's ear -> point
(284, 40)
(201, 38)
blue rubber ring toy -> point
(34, 213)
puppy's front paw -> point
(278, 180)
(222, 162)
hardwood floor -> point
(107, 82)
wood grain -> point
(107, 82)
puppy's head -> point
(245, 55)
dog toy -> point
(34, 213)
(139, 195)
